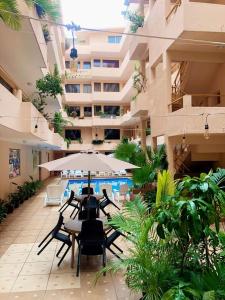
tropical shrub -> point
(3, 210)
(136, 20)
(176, 250)
(50, 84)
(147, 173)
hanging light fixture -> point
(206, 132)
(73, 55)
(184, 145)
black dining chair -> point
(91, 241)
(84, 191)
(110, 239)
(105, 202)
(71, 202)
(89, 208)
(56, 234)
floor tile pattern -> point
(25, 275)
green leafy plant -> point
(10, 13)
(50, 84)
(46, 33)
(136, 20)
(147, 265)
(148, 131)
(147, 173)
(59, 123)
(3, 210)
(139, 82)
(176, 250)
(68, 142)
(97, 142)
(46, 7)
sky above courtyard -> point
(94, 13)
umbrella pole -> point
(89, 182)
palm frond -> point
(218, 177)
(49, 8)
(9, 14)
(165, 186)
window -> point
(114, 39)
(72, 88)
(6, 85)
(86, 65)
(73, 134)
(111, 87)
(67, 64)
(107, 63)
(97, 110)
(97, 87)
(73, 111)
(112, 134)
(87, 88)
(87, 111)
(97, 63)
(112, 110)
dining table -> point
(74, 228)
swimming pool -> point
(115, 182)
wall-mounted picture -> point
(14, 163)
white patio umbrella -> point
(88, 161)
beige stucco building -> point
(98, 92)
(25, 57)
(179, 52)
(185, 89)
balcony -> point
(95, 121)
(30, 48)
(106, 146)
(191, 119)
(103, 73)
(124, 96)
(21, 122)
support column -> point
(141, 8)
(143, 134)
(167, 70)
(18, 94)
(142, 67)
(170, 155)
(154, 143)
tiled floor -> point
(25, 275)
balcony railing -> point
(197, 100)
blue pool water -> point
(115, 182)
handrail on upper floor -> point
(174, 9)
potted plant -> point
(97, 142)
(68, 142)
(135, 18)
(46, 33)
(139, 82)
(14, 199)
(3, 210)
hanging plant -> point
(135, 19)
(46, 33)
(50, 84)
(139, 82)
(59, 123)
